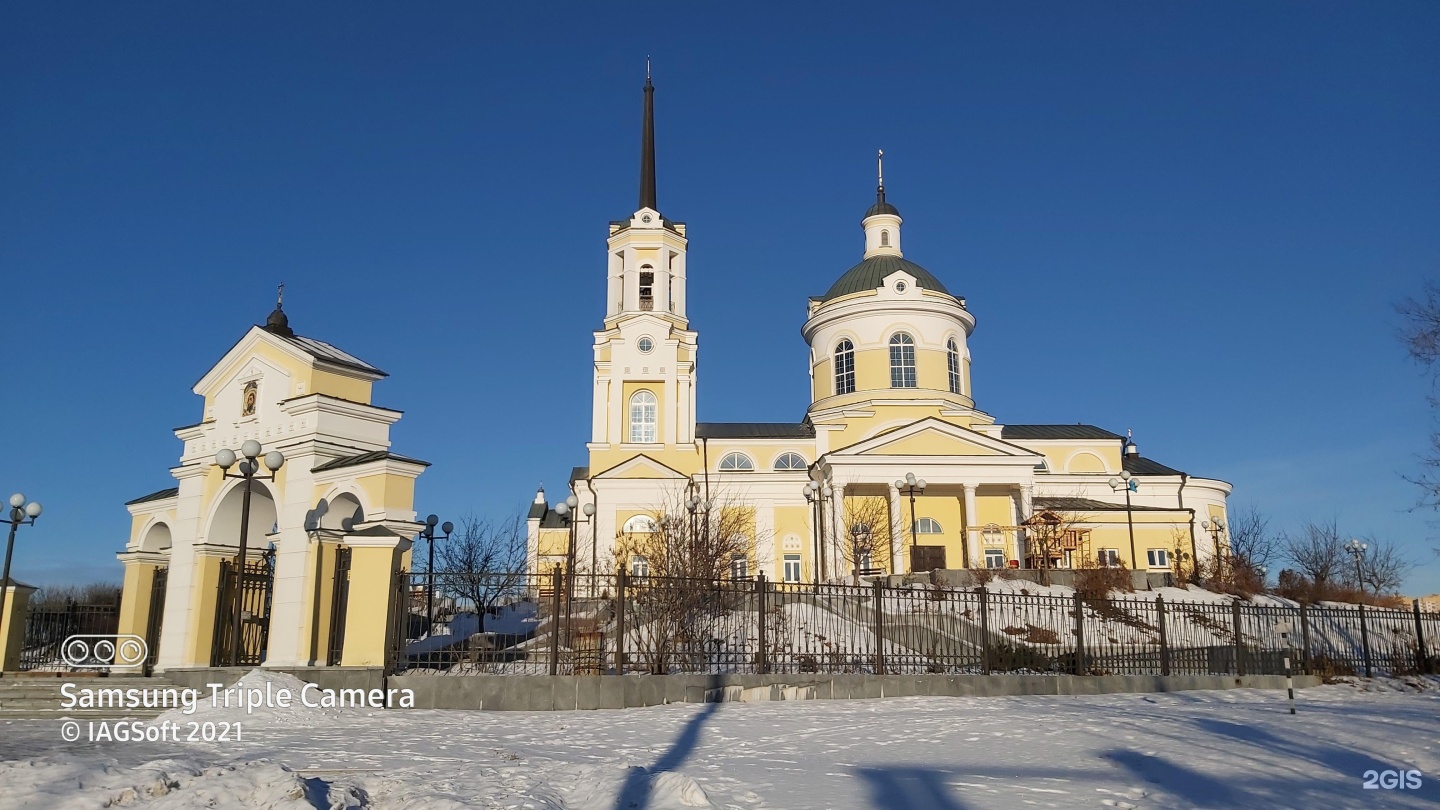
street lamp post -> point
(815, 494)
(698, 507)
(21, 514)
(429, 534)
(249, 470)
(1356, 550)
(912, 485)
(1216, 527)
(1128, 484)
(566, 510)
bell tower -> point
(644, 394)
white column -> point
(631, 297)
(677, 283)
(897, 532)
(972, 529)
(1026, 497)
(662, 287)
(839, 538)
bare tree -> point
(58, 598)
(1420, 335)
(1251, 541)
(865, 534)
(484, 561)
(683, 600)
(1382, 567)
(1317, 552)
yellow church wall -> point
(368, 622)
(203, 594)
(948, 511)
(135, 598)
(392, 491)
(932, 369)
(792, 521)
(552, 542)
(823, 383)
(339, 385)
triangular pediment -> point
(250, 356)
(935, 437)
(641, 466)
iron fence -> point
(528, 624)
(46, 631)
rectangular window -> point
(1158, 557)
(639, 567)
(1109, 558)
(994, 558)
(792, 568)
(739, 568)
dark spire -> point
(880, 206)
(647, 145)
(278, 323)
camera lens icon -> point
(104, 651)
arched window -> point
(845, 367)
(902, 361)
(735, 462)
(790, 461)
(952, 362)
(640, 524)
(884, 239)
(647, 287)
(928, 526)
(642, 417)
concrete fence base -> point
(570, 692)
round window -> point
(645, 344)
(899, 286)
(645, 218)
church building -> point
(894, 467)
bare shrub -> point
(1094, 582)
(983, 576)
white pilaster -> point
(897, 532)
(972, 529)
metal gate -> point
(339, 601)
(255, 587)
(158, 585)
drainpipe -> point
(1194, 560)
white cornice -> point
(323, 404)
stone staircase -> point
(38, 697)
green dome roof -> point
(870, 275)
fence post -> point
(984, 629)
(1239, 638)
(555, 620)
(1305, 638)
(621, 580)
(762, 657)
(1080, 668)
(1365, 641)
(1164, 636)
(1422, 665)
(879, 588)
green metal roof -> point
(870, 275)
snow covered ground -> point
(1196, 749)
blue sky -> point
(1190, 220)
